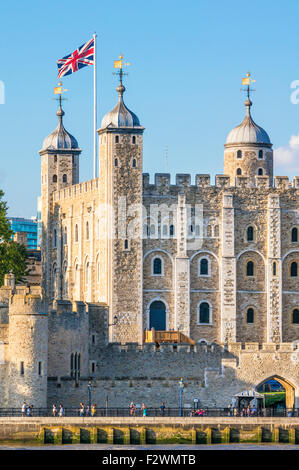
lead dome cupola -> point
(60, 138)
(248, 132)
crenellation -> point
(183, 180)
(222, 181)
(262, 181)
(281, 182)
(202, 181)
(162, 180)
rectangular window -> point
(93, 367)
(39, 368)
(22, 368)
(93, 339)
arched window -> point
(133, 139)
(250, 315)
(260, 172)
(294, 269)
(294, 235)
(76, 233)
(171, 230)
(239, 172)
(274, 268)
(126, 245)
(54, 238)
(203, 267)
(157, 266)
(152, 230)
(116, 162)
(87, 231)
(261, 154)
(87, 274)
(54, 178)
(239, 154)
(250, 234)
(209, 231)
(250, 268)
(204, 313)
(134, 163)
(116, 139)
(296, 316)
(165, 230)
(64, 178)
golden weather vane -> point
(58, 91)
(119, 64)
(247, 81)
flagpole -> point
(95, 109)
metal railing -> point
(156, 412)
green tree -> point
(13, 256)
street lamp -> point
(89, 395)
(115, 320)
(181, 386)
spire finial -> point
(119, 64)
(247, 81)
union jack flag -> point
(81, 57)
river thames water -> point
(105, 447)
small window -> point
(261, 154)
(239, 154)
(171, 230)
(93, 339)
(250, 315)
(204, 267)
(54, 238)
(55, 158)
(65, 236)
(39, 368)
(76, 233)
(239, 172)
(126, 245)
(294, 269)
(296, 316)
(165, 230)
(274, 268)
(93, 367)
(54, 178)
(250, 234)
(22, 368)
(64, 178)
(294, 235)
(72, 365)
(87, 231)
(116, 139)
(260, 172)
(134, 163)
(204, 313)
(116, 162)
(157, 266)
(250, 268)
(133, 139)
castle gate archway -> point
(157, 316)
(289, 388)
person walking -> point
(61, 410)
(144, 410)
(93, 409)
(54, 410)
(82, 409)
(24, 409)
(162, 408)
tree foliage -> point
(13, 256)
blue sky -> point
(187, 60)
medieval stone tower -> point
(120, 188)
(28, 348)
(248, 151)
(59, 169)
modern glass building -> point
(29, 226)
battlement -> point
(76, 190)
(263, 347)
(163, 180)
(60, 307)
(28, 301)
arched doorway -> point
(157, 316)
(269, 385)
